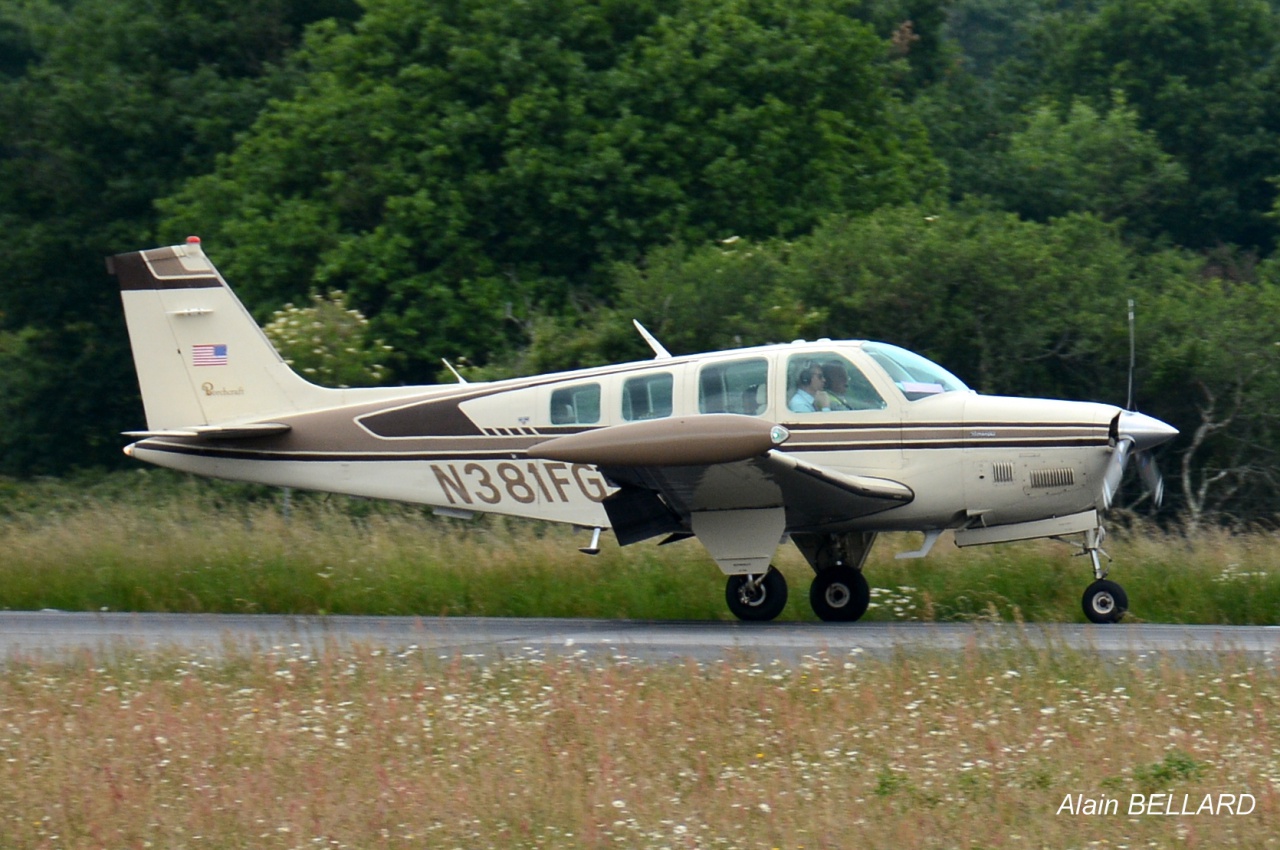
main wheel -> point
(757, 601)
(1105, 602)
(839, 594)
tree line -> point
(508, 184)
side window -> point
(737, 387)
(647, 397)
(822, 382)
(578, 405)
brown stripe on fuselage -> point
(334, 436)
(438, 416)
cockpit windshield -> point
(915, 376)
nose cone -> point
(1145, 431)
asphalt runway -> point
(54, 635)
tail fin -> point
(200, 356)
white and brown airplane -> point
(827, 443)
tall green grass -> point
(149, 541)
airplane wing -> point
(669, 469)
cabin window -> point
(578, 405)
(647, 397)
(826, 382)
(737, 387)
(915, 376)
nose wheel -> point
(757, 598)
(1105, 602)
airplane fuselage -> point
(465, 447)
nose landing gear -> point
(1104, 601)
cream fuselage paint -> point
(466, 447)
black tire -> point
(1105, 602)
(761, 605)
(839, 594)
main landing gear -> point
(1104, 601)
(757, 598)
(839, 593)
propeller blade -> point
(1151, 477)
(1115, 472)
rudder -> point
(201, 358)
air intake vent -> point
(1045, 478)
(1002, 473)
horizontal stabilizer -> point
(217, 432)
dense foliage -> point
(507, 184)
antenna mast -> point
(1132, 355)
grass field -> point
(368, 750)
(156, 542)
(362, 748)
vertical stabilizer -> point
(200, 356)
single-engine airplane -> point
(827, 443)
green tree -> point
(1084, 161)
(105, 105)
(462, 169)
(724, 295)
(1216, 375)
(1204, 76)
(1012, 306)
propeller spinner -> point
(1137, 433)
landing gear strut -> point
(757, 598)
(1104, 601)
(839, 593)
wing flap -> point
(814, 496)
(862, 486)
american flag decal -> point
(209, 355)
